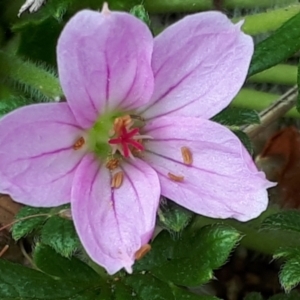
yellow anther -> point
(117, 179)
(79, 143)
(112, 164)
(142, 251)
(175, 177)
(187, 155)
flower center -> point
(125, 138)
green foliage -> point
(294, 295)
(19, 282)
(58, 266)
(140, 12)
(254, 296)
(289, 275)
(190, 259)
(36, 80)
(29, 219)
(282, 44)
(244, 139)
(298, 84)
(237, 116)
(60, 234)
(285, 220)
(173, 217)
(9, 104)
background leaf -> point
(190, 259)
(60, 234)
(237, 116)
(285, 220)
(33, 217)
(282, 44)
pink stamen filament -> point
(125, 139)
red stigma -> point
(126, 140)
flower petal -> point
(199, 65)
(104, 62)
(113, 223)
(222, 180)
(37, 161)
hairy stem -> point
(165, 6)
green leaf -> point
(282, 44)
(191, 259)
(235, 116)
(52, 263)
(140, 12)
(289, 275)
(298, 84)
(184, 294)
(174, 217)
(285, 220)
(294, 295)
(123, 292)
(10, 104)
(254, 296)
(38, 41)
(29, 219)
(287, 252)
(146, 286)
(18, 282)
(244, 139)
(60, 234)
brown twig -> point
(4, 249)
(277, 109)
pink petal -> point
(104, 62)
(113, 223)
(222, 181)
(37, 161)
(199, 65)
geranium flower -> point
(135, 126)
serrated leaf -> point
(52, 263)
(289, 275)
(60, 234)
(174, 217)
(244, 139)
(18, 282)
(282, 44)
(29, 219)
(191, 259)
(287, 252)
(236, 116)
(294, 295)
(285, 220)
(140, 12)
(254, 296)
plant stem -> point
(280, 74)
(169, 6)
(33, 78)
(252, 99)
(267, 21)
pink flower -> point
(135, 126)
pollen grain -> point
(112, 164)
(175, 177)
(187, 155)
(117, 179)
(79, 143)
